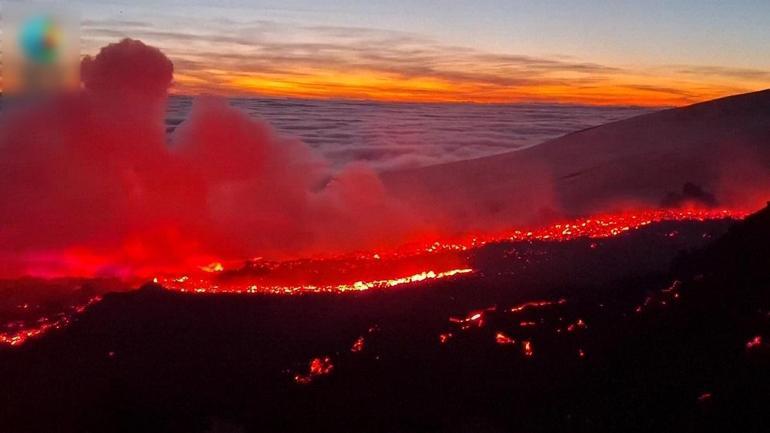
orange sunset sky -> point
(655, 54)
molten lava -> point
(17, 333)
(201, 285)
(526, 347)
(317, 367)
(384, 269)
(503, 339)
(358, 345)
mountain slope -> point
(721, 145)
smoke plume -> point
(91, 186)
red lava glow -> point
(754, 342)
(375, 269)
(475, 319)
(203, 285)
(81, 261)
(579, 324)
(526, 347)
(317, 367)
(536, 304)
(503, 339)
(358, 345)
(662, 299)
(597, 226)
(22, 333)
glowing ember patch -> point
(536, 304)
(503, 339)
(579, 324)
(358, 345)
(318, 367)
(443, 338)
(754, 342)
(607, 225)
(526, 347)
(646, 303)
(473, 319)
(704, 397)
(44, 324)
(668, 295)
(302, 379)
(676, 285)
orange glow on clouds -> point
(284, 59)
(354, 85)
(620, 88)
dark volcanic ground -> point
(646, 333)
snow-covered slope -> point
(722, 146)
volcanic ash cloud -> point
(92, 187)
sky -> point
(592, 52)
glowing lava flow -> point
(600, 226)
(597, 226)
(187, 285)
(317, 367)
(535, 304)
(17, 337)
(383, 263)
(502, 338)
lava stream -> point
(374, 270)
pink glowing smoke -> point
(92, 187)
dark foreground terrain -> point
(661, 329)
